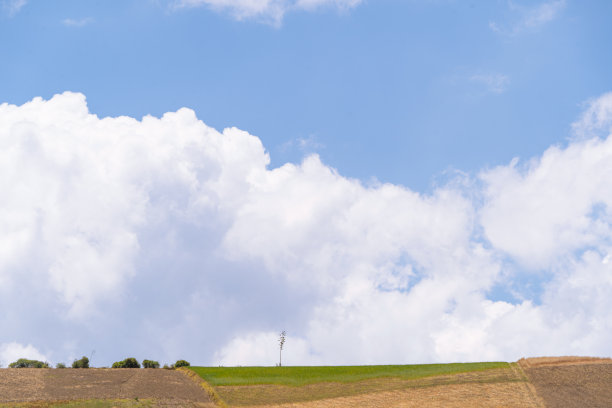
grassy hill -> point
(252, 386)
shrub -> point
(130, 362)
(82, 363)
(25, 363)
(60, 365)
(167, 367)
(182, 363)
(150, 364)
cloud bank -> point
(183, 240)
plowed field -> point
(570, 382)
(164, 387)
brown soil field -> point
(571, 381)
(561, 361)
(165, 387)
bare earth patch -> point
(561, 361)
(165, 387)
(571, 381)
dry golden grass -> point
(212, 393)
(508, 395)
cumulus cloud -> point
(596, 119)
(86, 185)
(183, 236)
(271, 11)
(551, 206)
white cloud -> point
(303, 145)
(542, 212)
(271, 11)
(85, 184)
(13, 7)
(495, 83)
(597, 118)
(10, 352)
(82, 22)
(340, 4)
(530, 18)
(262, 349)
(542, 13)
(408, 272)
(182, 236)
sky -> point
(389, 181)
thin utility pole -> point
(281, 343)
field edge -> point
(210, 390)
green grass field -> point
(256, 386)
(298, 376)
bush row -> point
(131, 362)
(83, 362)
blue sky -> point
(400, 91)
(443, 164)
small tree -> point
(150, 364)
(25, 363)
(129, 362)
(181, 363)
(281, 343)
(82, 363)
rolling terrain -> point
(536, 382)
